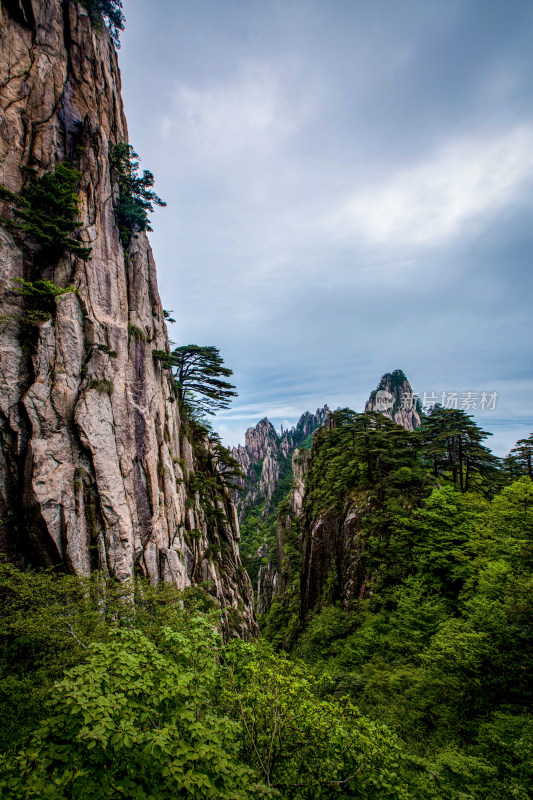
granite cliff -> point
(266, 457)
(266, 460)
(98, 468)
(394, 398)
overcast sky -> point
(350, 191)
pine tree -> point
(136, 197)
(197, 373)
(45, 215)
(110, 13)
(452, 442)
(522, 454)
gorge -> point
(338, 609)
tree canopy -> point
(108, 11)
(522, 455)
(198, 372)
(136, 197)
(453, 442)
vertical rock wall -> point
(394, 399)
(95, 463)
(266, 456)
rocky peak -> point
(266, 456)
(394, 398)
(260, 439)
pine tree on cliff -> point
(452, 441)
(110, 13)
(197, 372)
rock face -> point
(324, 554)
(266, 456)
(97, 470)
(274, 576)
(317, 556)
(394, 398)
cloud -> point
(257, 110)
(432, 202)
(257, 411)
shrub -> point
(102, 385)
(136, 333)
(136, 720)
(136, 197)
(108, 12)
(104, 348)
(40, 297)
(46, 210)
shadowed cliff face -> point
(320, 556)
(92, 478)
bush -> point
(136, 198)
(102, 385)
(108, 11)
(135, 720)
(46, 210)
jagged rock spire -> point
(394, 398)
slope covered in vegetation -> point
(407, 585)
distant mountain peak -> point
(394, 398)
(265, 453)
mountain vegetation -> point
(424, 618)
(416, 686)
(393, 562)
(108, 13)
(135, 194)
(129, 691)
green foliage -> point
(522, 457)
(136, 197)
(434, 638)
(451, 441)
(442, 652)
(136, 333)
(198, 373)
(135, 720)
(46, 212)
(108, 12)
(101, 385)
(300, 744)
(362, 452)
(128, 691)
(104, 348)
(48, 620)
(40, 297)
(224, 463)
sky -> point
(349, 190)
